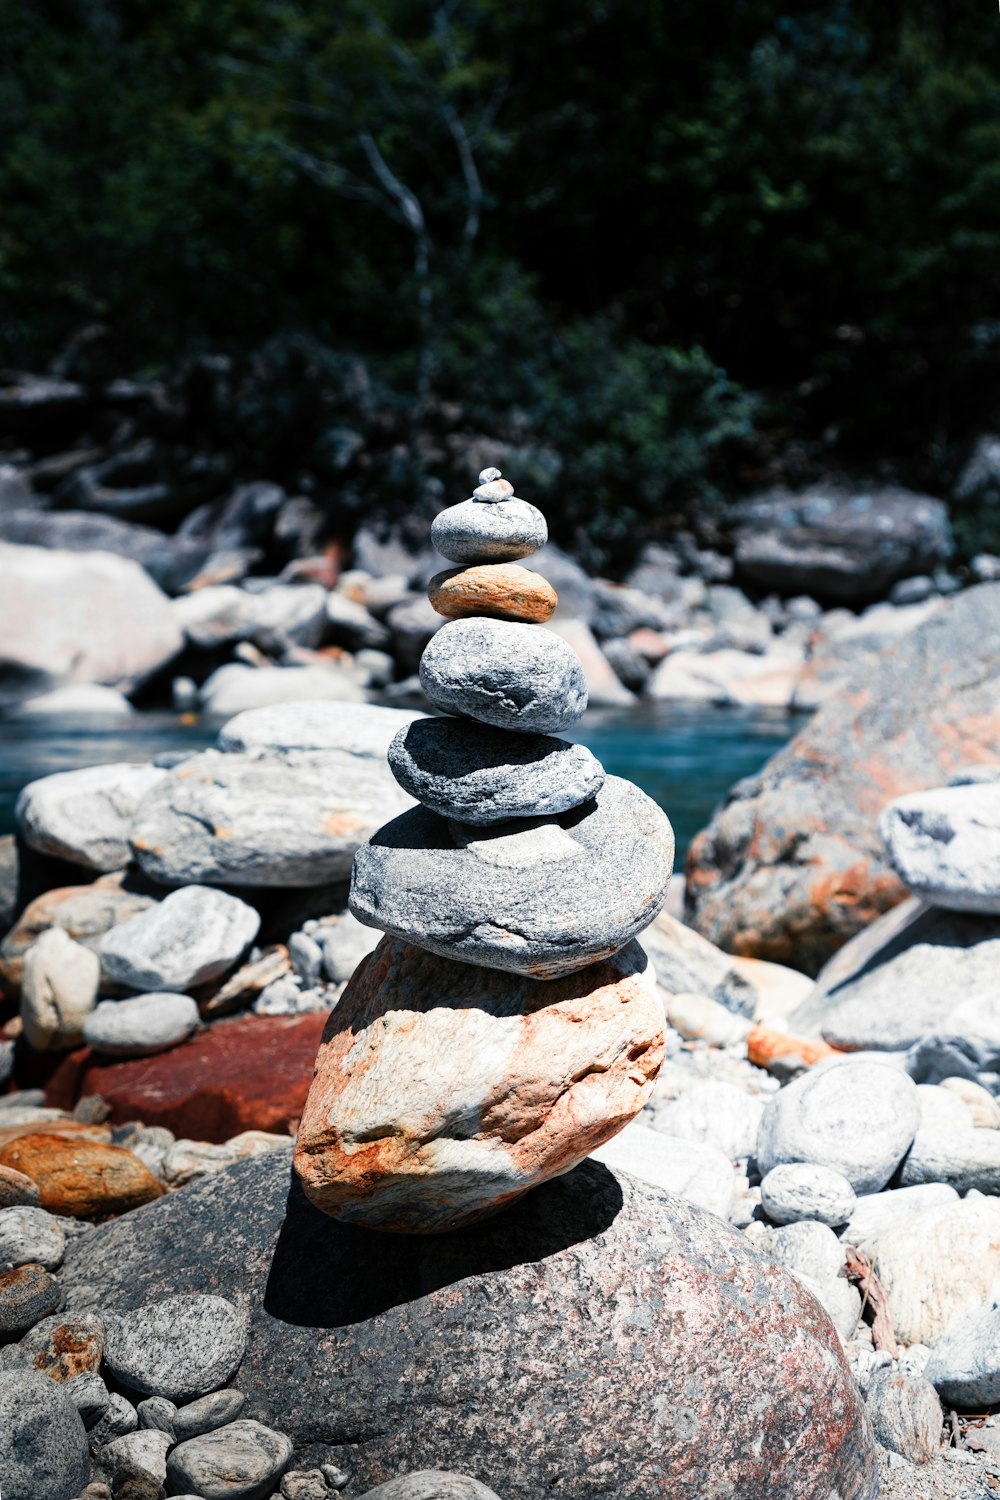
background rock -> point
(85, 816)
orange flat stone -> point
(80, 1177)
(764, 1045)
(503, 591)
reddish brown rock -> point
(505, 591)
(793, 864)
(444, 1091)
(80, 1177)
(65, 1346)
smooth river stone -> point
(443, 1092)
(508, 675)
(482, 775)
(504, 591)
(475, 532)
(540, 899)
(945, 845)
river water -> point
(684, 758)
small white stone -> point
(486, 476)
(493, 492)
(58, 990)
(806, 1190)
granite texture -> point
(512, 676)
(540, 899)
(472, 532)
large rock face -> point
(79, 617)
(792, 865)
(445, 1091)
(589, 1338)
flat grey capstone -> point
(179, 1347)
(806, 1190)
(503, 673)
(482, 775)
(43, 1444)
(964, 1366)
(858, 1117)
(472, 532)
(945, 845)
(876, 1212)
(208, 1412)
(431, 1484)
(510, 1320)
(241, 1461)
(964, 1159)
(192, 935)
(30, 1235)
(139, 1027)
(539, 899)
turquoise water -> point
(685, 758)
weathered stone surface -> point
(89, 1395)
(119, 1418)
(475, 533)
(688, 965)
(875, 1212)
(243, 1461)
(941, 1110)
(808, 1248)
(62, 1347)
(964, 1366)
(504, 591)
(30, 1234)
(59, 984)
(179, 1347)
(85, 912)
(944, 845)
(171, 561)
(235, 689)
(803, 1190)
(906, 1415)
(857, 1117)
(274, 618)
(511, 676)
(85, 816)
(27, 1294)
(431, 1484)
(792, 865)
(356, 731)
(939, 1266)
(145, 1450)
(604, 687)
(136, 1028)
(728, 676)
(482, 775)
(901, 978)
(79, 1177)
(79, 617)
(217, 1409)
(84, 700)
(444, 1091)
(694, 1171)
(982, 1108)
(192, 936)
(555, 1272)
(43, 1445)
(539, 899)
(963, 1158)
(16, 1189)
(716, 1113)
(263, 818)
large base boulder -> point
(600, 1339)
(793, 865)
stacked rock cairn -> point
(508, 1023)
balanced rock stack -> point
(508, 1024)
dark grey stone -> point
(89, 1395)
(537, 898)
(474, 532)
(207, 1413)
(431, 1484)
(178, 1347)
(159, 1413)
(27, 1294)
(601, 1313)
(242, 1461)
(43, 1445)
(482, 775)
(510, 675)
(121, 1417)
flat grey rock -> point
(945, 845)
(43, 1444)
(242, 1461)
(805, 1190)
(235, 688)
(963, 1159)
(498, 672)
(30, 1235)
(966, 1044)
(482, 775)
(473, 532)
(857, 1117)
(120, 1417)
(265, 817)
(539, 899)
(141, 1026)
(85, 816)
(964, 1366)
(193, 935)
(361, 731)
(273, 618)
(348, 1328)
(431, 1484)
(217, 1409)
(179, 1347)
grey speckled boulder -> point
(431, 1484)
(482, 775)
(804, 1190)
(242, 1461)
(599, 1311)
(43, 1444)
(136, 1028)
(540, 900)
(965, 1366)
(474, 532)
(192, 936)
(506, 674)
(30, 1236)
(179, 1347)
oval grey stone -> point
(27, 1295)
(208, 1412)
(180, 1347)
(431, 1484)
(510, 675)
(805, 1190)
(241, 1461)
(539, 899)
(141, 1026)
(43, 1445)
(473, 532)
(482, 775)
(193, 935)
(31, 1235)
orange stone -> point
(504, 591)
(82, 1178)
(766, 1045)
